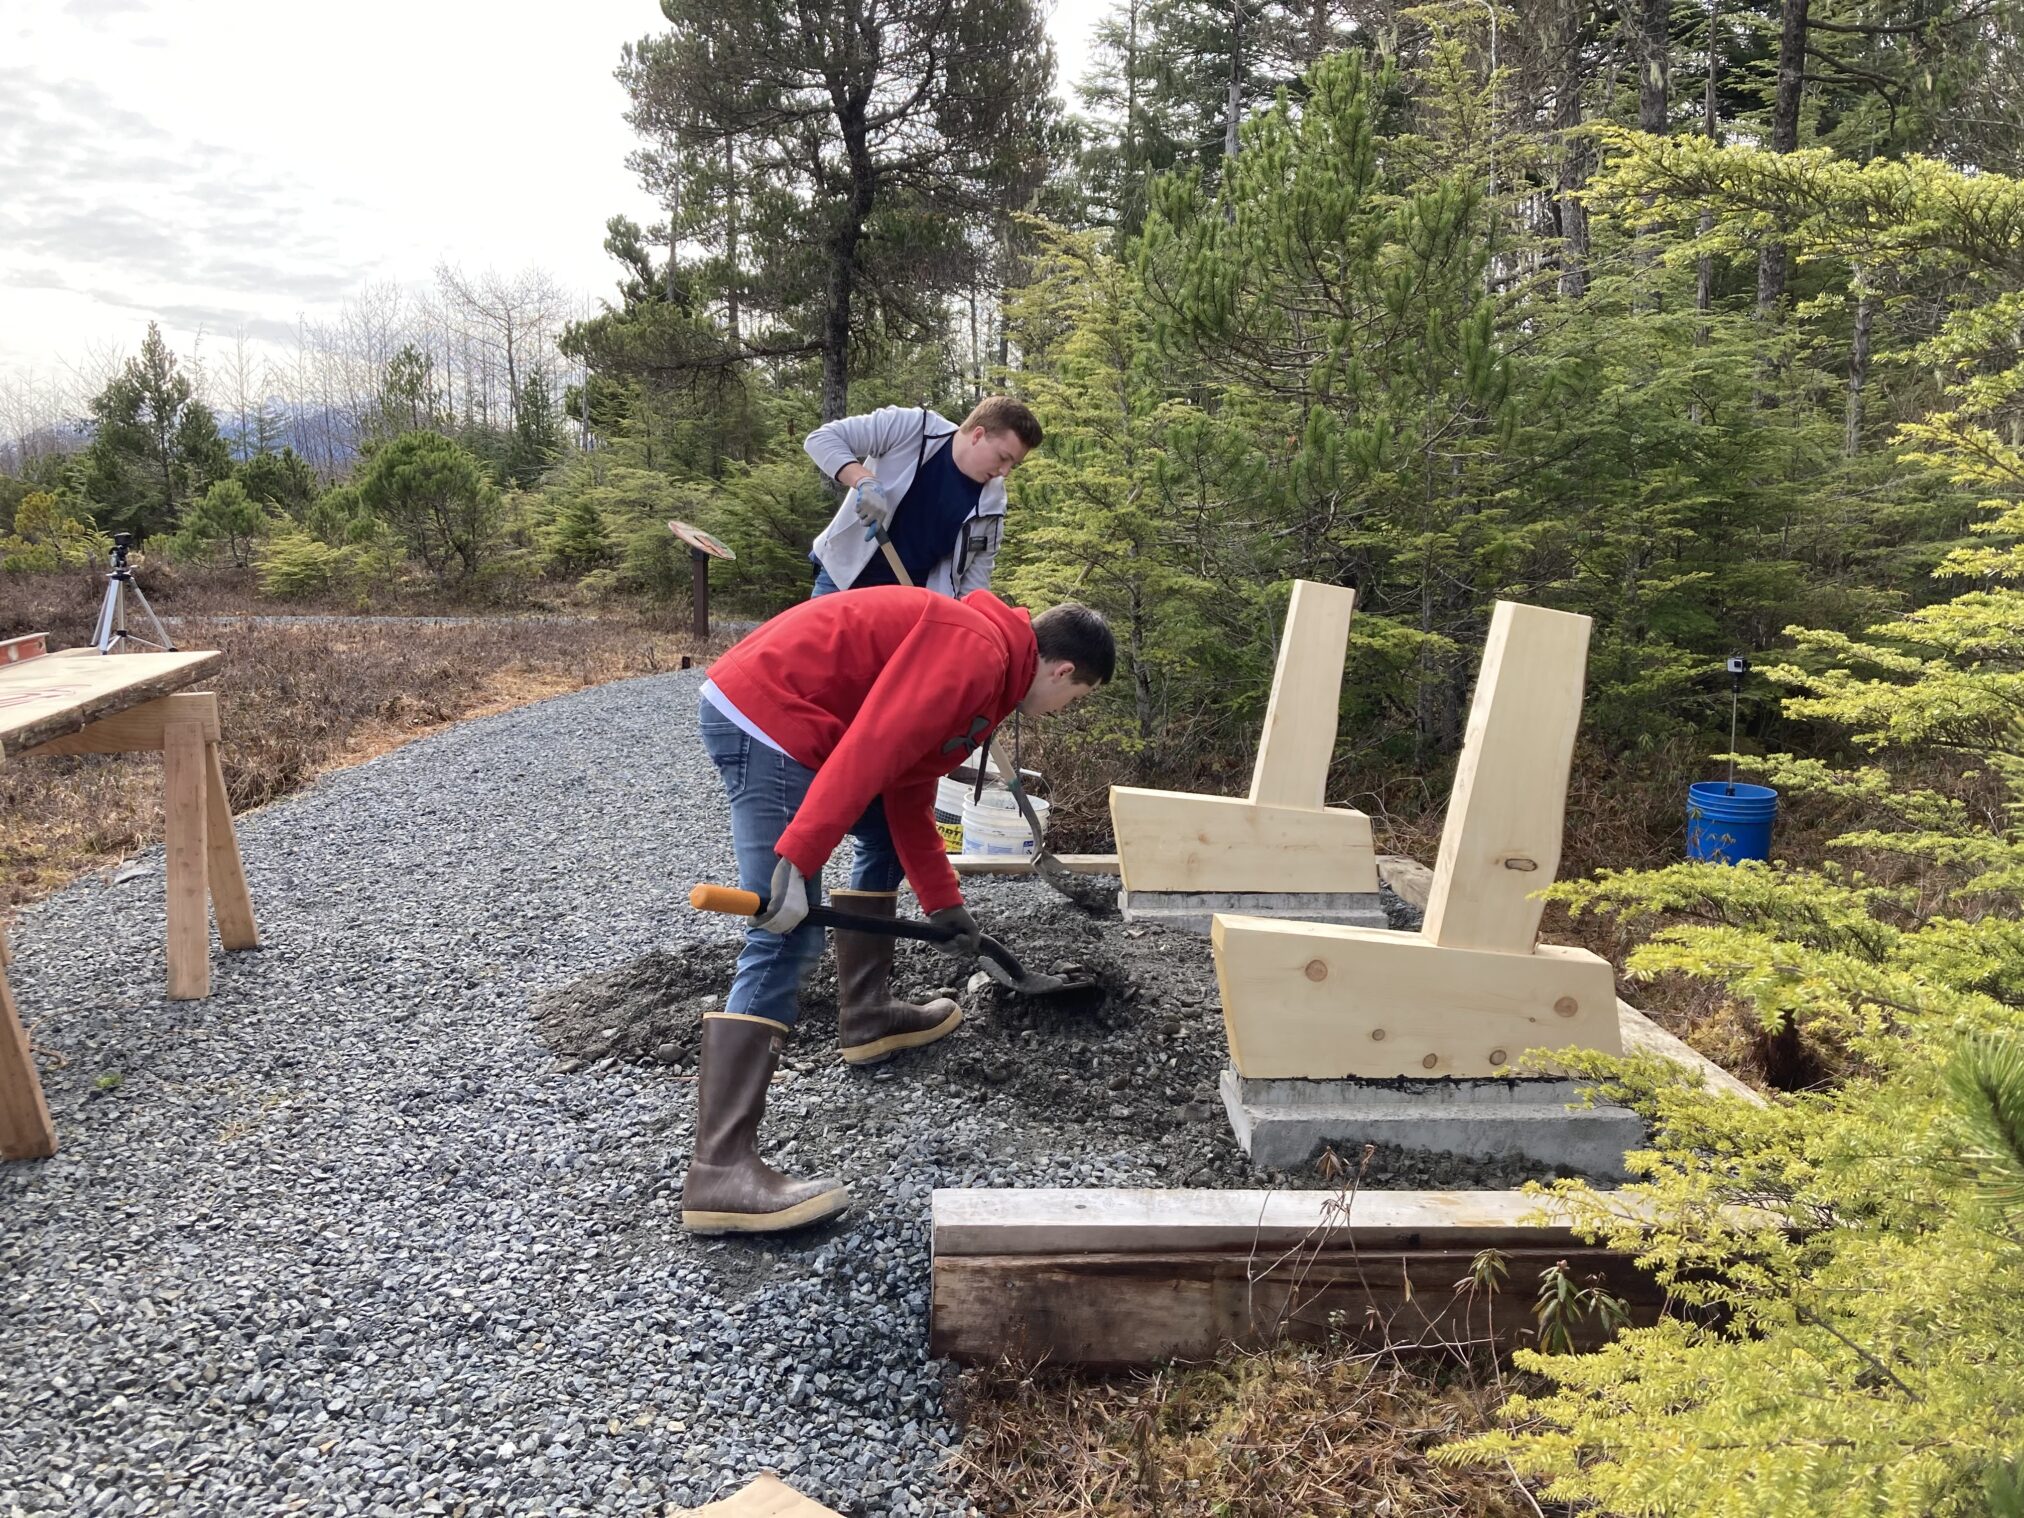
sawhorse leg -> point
(26, 1132)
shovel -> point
(994, 957)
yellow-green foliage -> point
(49, 535)
(1849, 1263)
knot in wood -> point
(1567, 1006)
(1520, 862)
(1316, 970)
(1431, 1060)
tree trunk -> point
(731, 239)
(1771, 258)
(1233, 105)
(1858, 365)
(1570, 216)
(1654, 78)
(1704, 268)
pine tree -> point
(155, 444)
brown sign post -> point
(702, 549)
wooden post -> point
(183, 802)
(26, 1132)
(1299, 738)
(699, 594)
(227, 874)
(1500, 844)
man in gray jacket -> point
(937, 489)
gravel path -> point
(349, 1238)
(389, 1224)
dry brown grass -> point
(1303, 1432)
(297, 701)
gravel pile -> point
(388, 1225)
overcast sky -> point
(226, 163)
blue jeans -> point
(876, 866)
(766, 789)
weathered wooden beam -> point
(65, 692)
(1052, 1220)
(1110, 1310)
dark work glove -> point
(969, 937)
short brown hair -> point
(1000, 413)
(1080, 635)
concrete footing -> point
(1190, 911)
(1282, 1123)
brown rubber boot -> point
(729, 1189)
(870, 1024)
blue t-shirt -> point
(927, 520)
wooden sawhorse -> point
(81, 702)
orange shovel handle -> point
(726, 899)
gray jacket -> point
(893, 442)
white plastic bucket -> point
(950, 794)
(995, 830)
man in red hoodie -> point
(834, 705)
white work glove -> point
(786, 900)
(969, 939)
(873, 509)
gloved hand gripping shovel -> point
(1089, 894)
(995, 959)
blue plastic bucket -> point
(1728, 822)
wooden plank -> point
(992, 864)
(26, 1133)
(183, 803)
(1138, 1309)
(1501, 840)
(1319, 1002)
(27, 646)
(138, 729)
(765, 1497)
(1178, 841)
(1049, 1220)
(1410, 880)
(225, 872)
(41, 699)
(1643, 1036)
(1299, 737)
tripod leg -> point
(183, 787)
(229, 897)
(108, 609)
(161, 638)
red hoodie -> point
(881, 692)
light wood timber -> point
(1410, 880)
(766, 1497)
(1279, 837)
(1643, 1036)
(1299, 737)
(61, 693)
(1138, 1309)
(1500, 844)
(1179, 841)
(184, 833)
(1065, 1220)
(993, 864)
(1315, 1001)
(26, 1133)
(224, 871)
(139, 729)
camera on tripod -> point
(112, 631)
